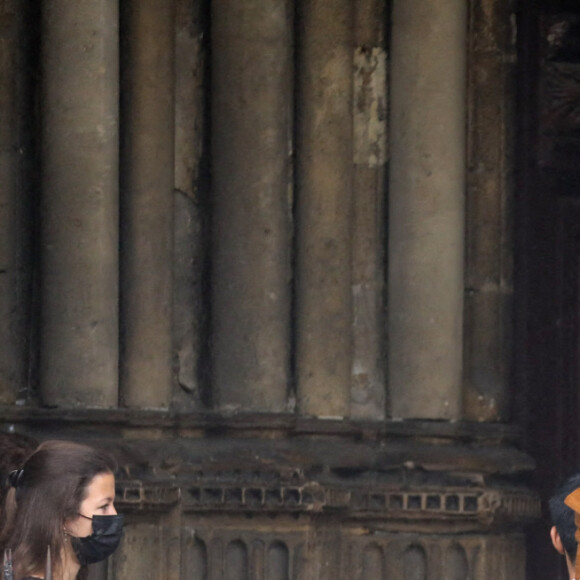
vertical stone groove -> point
(369, 183)
(257, 561)
(190, 202)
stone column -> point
(324, 212)
(79, 330)
(489, 263)
(147, 159)
(426, 209)
(14, 225)
(369, 216)
(251, 171)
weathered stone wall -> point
(259, 281)
(283, 497)
(280, 248)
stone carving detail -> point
(562, 38)
(278, 555)
(562, 97)
(133, 494)
(243, 557)
(482, 505)
(559, 94)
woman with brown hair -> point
(61, 500)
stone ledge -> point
(204, 423)
(481, 507)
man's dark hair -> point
(563, 516)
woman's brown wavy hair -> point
(52, 487)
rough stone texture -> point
(324, 208)
(489, 252)
(141, 553)
(188, 321)
(426, 208)
(147, 203)
(190, 78)
(79, 329)
(251, 221)
(305, 548)
(369, 184)
(250, 496)
(283, 495)
(190, 203)
(14, 231)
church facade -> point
(309, 269)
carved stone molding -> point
(478, 508)
(411, 475)
(286, 548)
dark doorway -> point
(547, 377)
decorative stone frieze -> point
(479, 507)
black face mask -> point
(107, 533)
